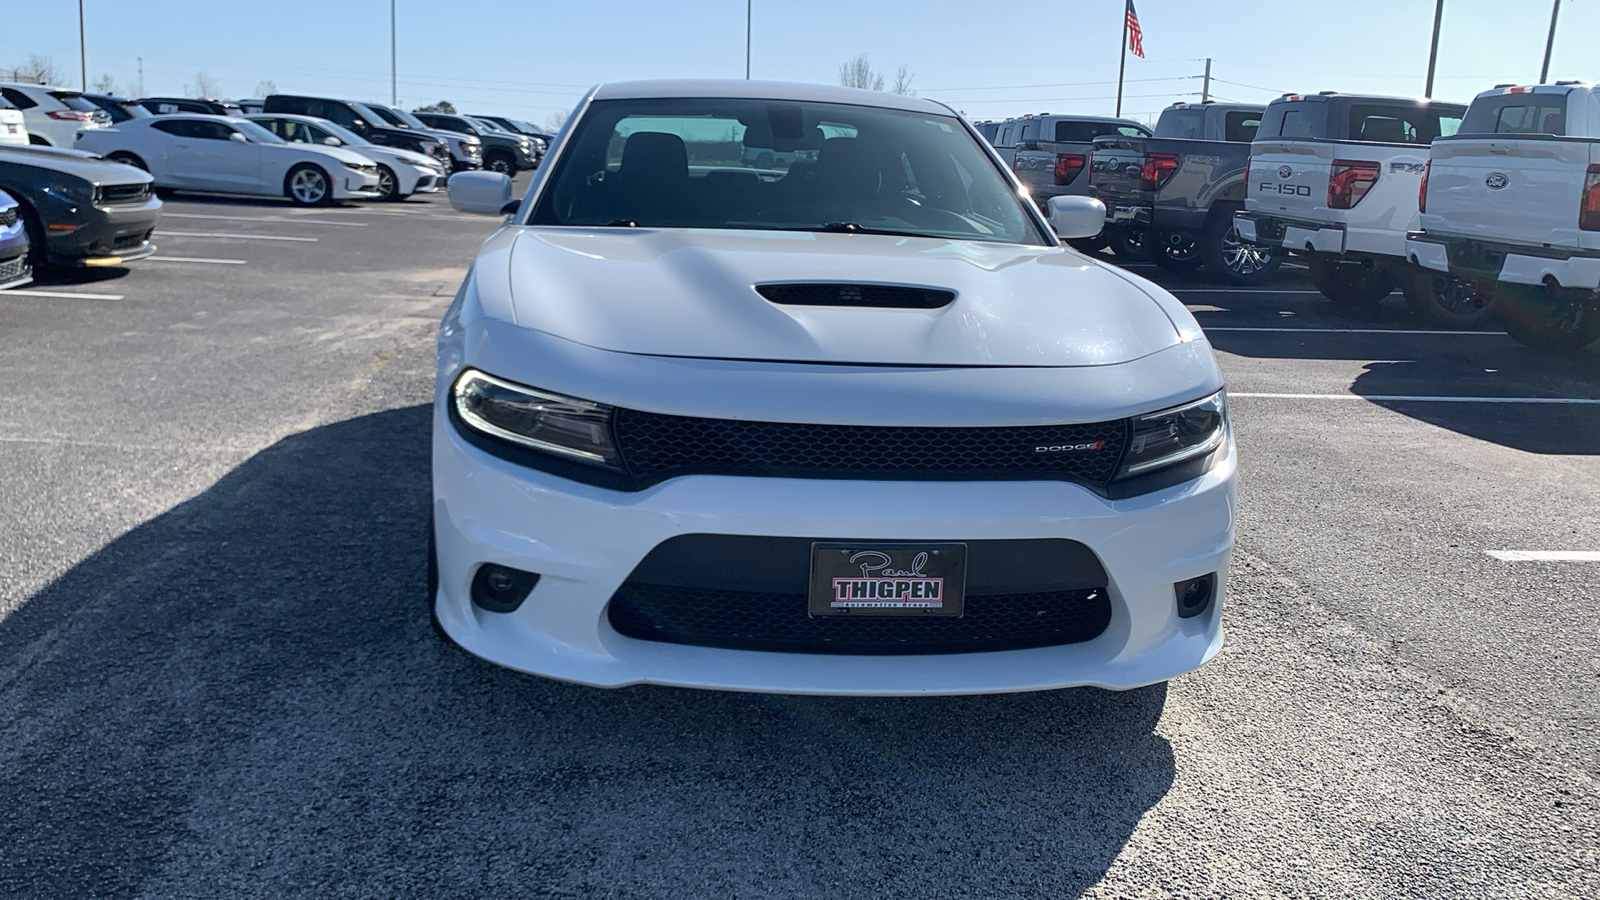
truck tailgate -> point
(1522, 191)
(1115, 170)
(1289, 179)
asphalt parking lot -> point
(217, 677)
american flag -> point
(1135, 33)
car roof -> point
(763, 90)
(1364, 98)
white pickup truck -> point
(1512, 211)
(1334, 177)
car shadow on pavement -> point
(243, 697)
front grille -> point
(130, 241)
(124, 194)
(14, 269)
(778, 622)
(8, 217)
(884, 296)
(655, 447)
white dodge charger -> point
(847, 419)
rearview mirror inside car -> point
(1076, 217)
(480, 193)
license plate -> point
(870, 578)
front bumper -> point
(353, 185)
(585, 541)
(1499, 261)
(104, 236)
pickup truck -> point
(1051, 157)
(1511, 212)
(1171, 197)
(1334, 177)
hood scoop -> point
(875, 296)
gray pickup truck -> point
(1051, 157)
(1170, 198)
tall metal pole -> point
(1433, 53)
(1550, 42)
(394, 76)
(748, 13)
(83, 52)
(1123, 65)
(1205, 86)
(141, 75)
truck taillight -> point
(1068, 165)
(1589, 212)
(1422, 192)
(1349, 180)
(1157, 170)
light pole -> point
(1549, 43)
(83, 54)
(394, 76)
(748, 12)
(1433, 54)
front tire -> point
(308, 185)
(128, 159)
(1549, 318)
(1126, 243)
(388, 184)
(1233, 259)
(500, 162)
(1350, 284)
(1446, 301)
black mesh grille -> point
(8, 217)
(129, 241)
(13, 269)
(778, 622)
(655, 447)
(113, 194)
(876, 295)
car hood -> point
(77, 163)
(691, 293)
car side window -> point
(1241, 127)
(339, 114)
(174, 127)
(211, 131)
(17, 98)
(1531, 119)
(1030, 132)
(1297, 124)
(308, 134)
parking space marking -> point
(282, 219)
(235, 235)
(1545, 555)
(196, 259)
(1421, 398)
(1356, 330)
(65, 295)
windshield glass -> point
(255, 132)
(780, 166)
(343, 134)
(487, 125)
(380, 116)
(75, 100)
(406, 118)
(134, 110)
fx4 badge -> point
(1497, 180)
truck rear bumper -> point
(1289, 234)
(1511, 263)
(1154, 217)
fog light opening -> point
(501, 589)
(1194, 595)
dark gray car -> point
(502, 151)
(79, 209)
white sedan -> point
(222, 155)
(853, 423)
(401, 172)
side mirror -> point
(238, 138)
(1076, 217)
(332, 141)
(480, 193)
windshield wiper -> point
(853, 228)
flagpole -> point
(1123, 65)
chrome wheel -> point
(1243, 258)
(386, 183)
(308, 186)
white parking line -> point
(65, 295)
(195, 259)
(230, 234)
(1423, 398)
(1358, 331)
(285, 219)
(1545, 555)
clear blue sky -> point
(529, 58)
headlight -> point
(1176, 435)
(562, 426)
(354, 167)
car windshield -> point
(781, 166)
(487, 125)
(75, 100)
(407, 119)
(134, 110)
(255, 132)
(380, 115)
(344, 134)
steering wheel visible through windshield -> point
(780, 166)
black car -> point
(120, 109)
(502, 151)
(360, 119)
(79, 209)
(162, 106)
